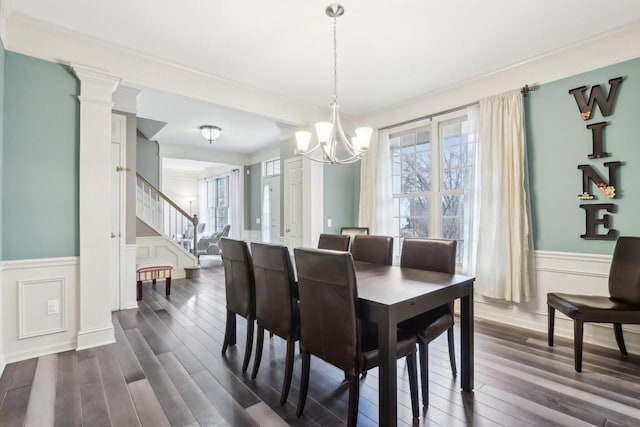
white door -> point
(293, 202)
(115, 226)
(117, 279)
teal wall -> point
(558, 141)
(40, 160)
(148, 160)
(341, 196)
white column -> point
(96, 89)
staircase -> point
(176, 229)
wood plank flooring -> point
(166, 369)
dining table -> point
(387, 295)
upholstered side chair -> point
(620, 307)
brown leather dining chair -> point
(240, 291)
(622, 306)
(332, 330)
(433, 255)
(276, 304)
(373, 249)
(335, 242)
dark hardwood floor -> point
(166, 368)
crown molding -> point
(599, 51)
(49, 42)
(6, 10)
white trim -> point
(122, 141)
(5, 13)
(125, 99)
(41, 351)
(128, 292)
(22, 334)
(46, 41)
(573, 273)
(24, 264)
(95, 337)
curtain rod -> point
(525, 91)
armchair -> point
(211, 245)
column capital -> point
(96, 85)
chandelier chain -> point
(335, 60)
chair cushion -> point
(369, 344)
(428, 326)
(594, 308)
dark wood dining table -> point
(388, 295)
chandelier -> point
(330, 134)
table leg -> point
(466, 340)
(139, 290)
(388, 387)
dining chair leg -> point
(413, 384)
(452, 351)
(424, 371)
(551, 315)
(258, 358)
(304, 382)
(578, 331)
(354, 397)
(249, 344)
(617, 328)
(229, 331)
(288, 371)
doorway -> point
(271, 209)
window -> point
(432, 174)
(272, 167)
(218, 203)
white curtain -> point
(376, 197)
(234, 211)
(502, 264)
(472, 199)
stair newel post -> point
(195, 234)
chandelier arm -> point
(345, 140)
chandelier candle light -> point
(330, 133)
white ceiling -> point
(186, 165)
(241, 132)
(387, 51)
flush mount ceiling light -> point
(330, 133)
(210, 133)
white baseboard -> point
(95, 337)
(40, 351)
(2, 365)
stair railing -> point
(163, 214)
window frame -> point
(437, 189)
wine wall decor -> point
(594, 185)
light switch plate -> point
(257, 220)
(329, 222)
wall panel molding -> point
(27, 286)
(564, 272)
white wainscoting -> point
(27, 286)
(159, 246)
(128, 294)
(566, 273)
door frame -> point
(119, 136)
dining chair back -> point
(240, 292)
(624, 273)
(328, 294)
(332, 330)
(334, 242)
(373, 249)
(429, 254)
(276, 304)
(432, 255)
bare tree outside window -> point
(418, 182)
